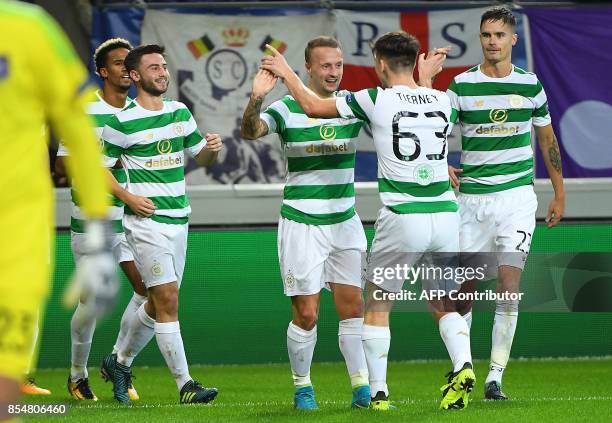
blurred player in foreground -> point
(108, 59)
(151, 136)
(410, 125)
(320, 236)
(42, 80)
(497, 104)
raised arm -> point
(253, 126)
(431, 65)
(552, 159)
(312, 104)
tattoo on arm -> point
(555, 155)
(252, 126)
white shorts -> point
(159, 249)
(312, 256)
(403, 239)
(501, 223)
(121, 249)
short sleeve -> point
(276, 116)
(193, 142)
(540, 115)
(359, 105)
(454, 101)
(114, 141)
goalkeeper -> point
(41, 80)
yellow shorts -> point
(25, 268)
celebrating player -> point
(497, 103)
(320, 236)
(42, 80)
(410, 125)
(108, 59)
(150, 136)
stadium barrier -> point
(233, 311)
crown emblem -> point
(235, 37)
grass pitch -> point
(540, 390)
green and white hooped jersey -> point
(319, 188)
(151, 145)
(496, 115)
(409, 127)
(101, 112)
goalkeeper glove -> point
(95, 279)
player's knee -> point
(306, 318)
(376, 318)
(463, 307)
(351, 309)
(437, 315)
(166, 301)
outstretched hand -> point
(275, 63)
(431, 65)
(263, 83)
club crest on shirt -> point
(423, 174)
(516, 101)
(179, 129)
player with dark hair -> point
(151, 136)
(108, 59)
(497, 104)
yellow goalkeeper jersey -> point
(42, 82)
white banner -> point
(212, 60)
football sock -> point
(504, 326)
(300, 346)
(468, 318)
(456, 336)
(141, 328)
(376, 344)
(82, 328)
(351, 346)
(135, 302)
(170, 344)
(35, 333)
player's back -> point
(410, 127)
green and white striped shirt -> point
(151, 145)
(319, 188)
(496, 116)
(101, 112)
(409, 127)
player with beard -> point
(108, 59)
(150, 137)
